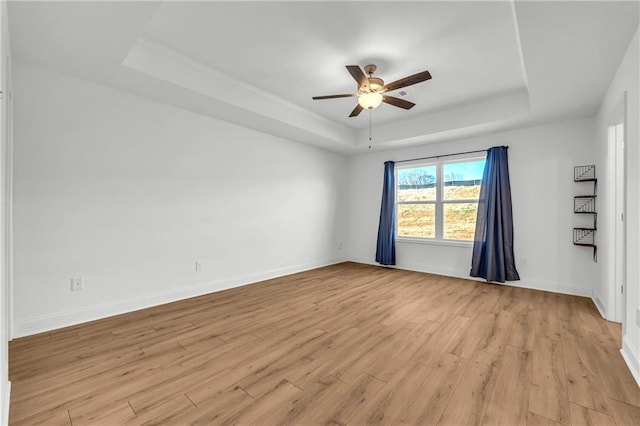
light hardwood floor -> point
(345, 344)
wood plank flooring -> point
(342, 345)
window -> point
(439, 200)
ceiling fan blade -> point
(350, 95)
(358, 75)
(400, 103)
(407, 81)
(357, 110)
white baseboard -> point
(631, 358)
(552, 287)
(29, 326)
(599, 306)
(6, 400)
(531, 284)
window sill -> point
(434, 242)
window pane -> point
(417, 184)
(417, 220)
(462, 180)
(459, 221)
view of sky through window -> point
(471, 170)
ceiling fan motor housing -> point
(375, 84)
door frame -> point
(616, 140)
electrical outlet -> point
(76, 284)
(199, 266)
(340, 245)
(524, 261)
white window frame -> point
(439, 201)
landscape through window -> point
(438, 201)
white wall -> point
(5, 155)
(626, 80)
(541, 161)
(128, 193)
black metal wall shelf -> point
(584, 173)
(586, 204)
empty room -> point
(315, 213)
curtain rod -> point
(444, 155)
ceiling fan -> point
(371, 89)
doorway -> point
(616, 141)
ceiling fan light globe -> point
(370, 100)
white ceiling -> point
(495, 64)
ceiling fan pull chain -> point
(369, 129)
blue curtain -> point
(493, 257)
(386, 248)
